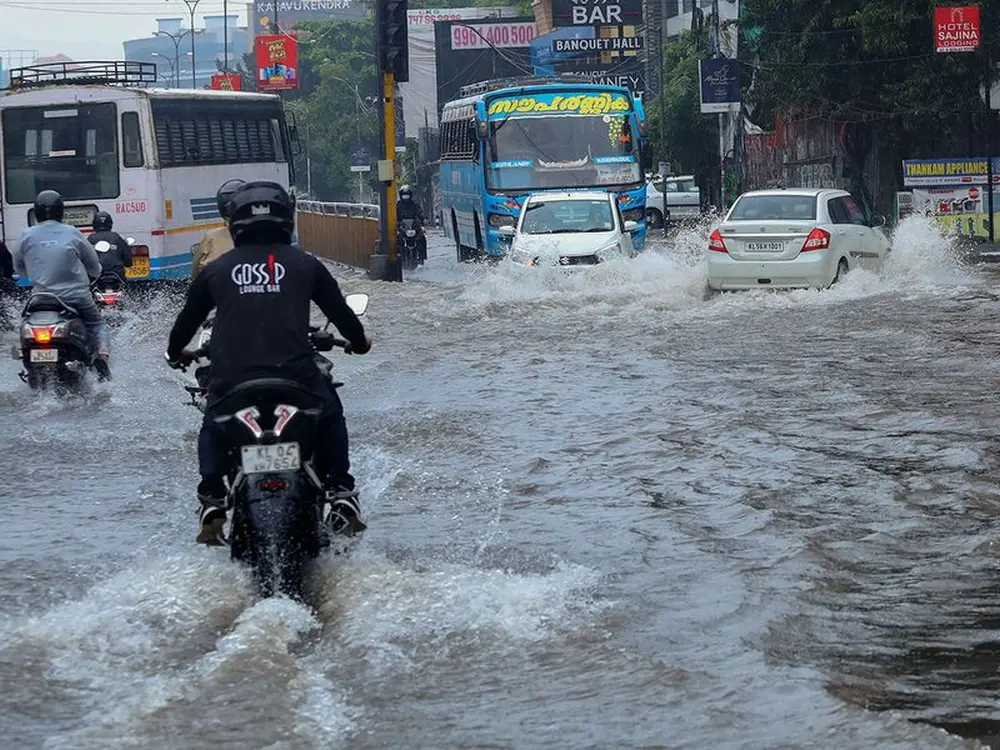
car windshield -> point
(775, 207)
(568, 217)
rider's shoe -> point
(212, 518)
(344, 517)
(101, 365)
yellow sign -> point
(139, 268)
(584, 104)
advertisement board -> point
(720, 85)
(956, 28)
(227, 82)
(289, 13)
(596, 13)
(957, 172)
(470, 35)
(277, 57)
(462, 65)
(610, 57)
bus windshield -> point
(575, 150)
(70, 148)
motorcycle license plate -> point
(139, 268)
(261, 459)
(43, 355)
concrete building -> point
(169, 47)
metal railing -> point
(352, 210)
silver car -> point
(793, 238)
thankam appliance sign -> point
(957, 28)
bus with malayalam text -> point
(104, 138)
(505, 139)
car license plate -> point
(139, 268)
(260, 459)
(765, 247)
(44, 355)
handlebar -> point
(322, 341)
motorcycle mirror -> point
(103, 246)
(357, 302)
(130, 241)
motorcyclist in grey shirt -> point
(60, 261)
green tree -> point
(690, 138)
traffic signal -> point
(393, 41)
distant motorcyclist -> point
(407, 208)
(60, 261)
(216, 242)
(112, 249)
(262, 330)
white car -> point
(792, 239)
(581, 228)
(683, 200)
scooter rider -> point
(216, 242)
(262, 330)
(115, 254)
(407, 208)
(60, 261)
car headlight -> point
(608, 252)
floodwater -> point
(604, 512)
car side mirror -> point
(630, 226)
(878, 220)
(506, 231)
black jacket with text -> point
(262, 295)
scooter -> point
(53, 347)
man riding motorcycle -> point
(216, 242)
(407, 208)
(261, 292)
(118, 255)
(60, 261)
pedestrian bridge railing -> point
(347, 233)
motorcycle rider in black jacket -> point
(407, 208)
(261, 291)
(119, 257)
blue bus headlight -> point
(502, 220)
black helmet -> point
(103, 222)
(48, 206)
(405, 193)
(225, 194)
(262, 212)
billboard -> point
(956, 28)
(419, 94)
(227, 82)
(277, 58)
(462, 60)
(948, 172)
(596, 13)
(289, 13)
(611, 56)
(720, 85)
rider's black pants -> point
(331, 461)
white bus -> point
(152, 158)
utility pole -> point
(192, 5)
(225, 36)
(717, 52)
(989, 145)
(393, 59)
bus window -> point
(131, 140)
(70, 149)
(193, 132)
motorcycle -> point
(409, 235)
(109, 288)
(53, 350)
(269, 427)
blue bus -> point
(505, 139)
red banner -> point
(227, 82)
(956, 28)
(277, 62)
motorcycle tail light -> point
(42, 335)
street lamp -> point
(173, 68)
(177, 46)
(191, 6)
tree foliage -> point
(863, 61)
(689, 138)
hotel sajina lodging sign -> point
(957, 28)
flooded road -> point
(604, 511)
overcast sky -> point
(92, 29)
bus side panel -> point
(462, 202)
(190, 209)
